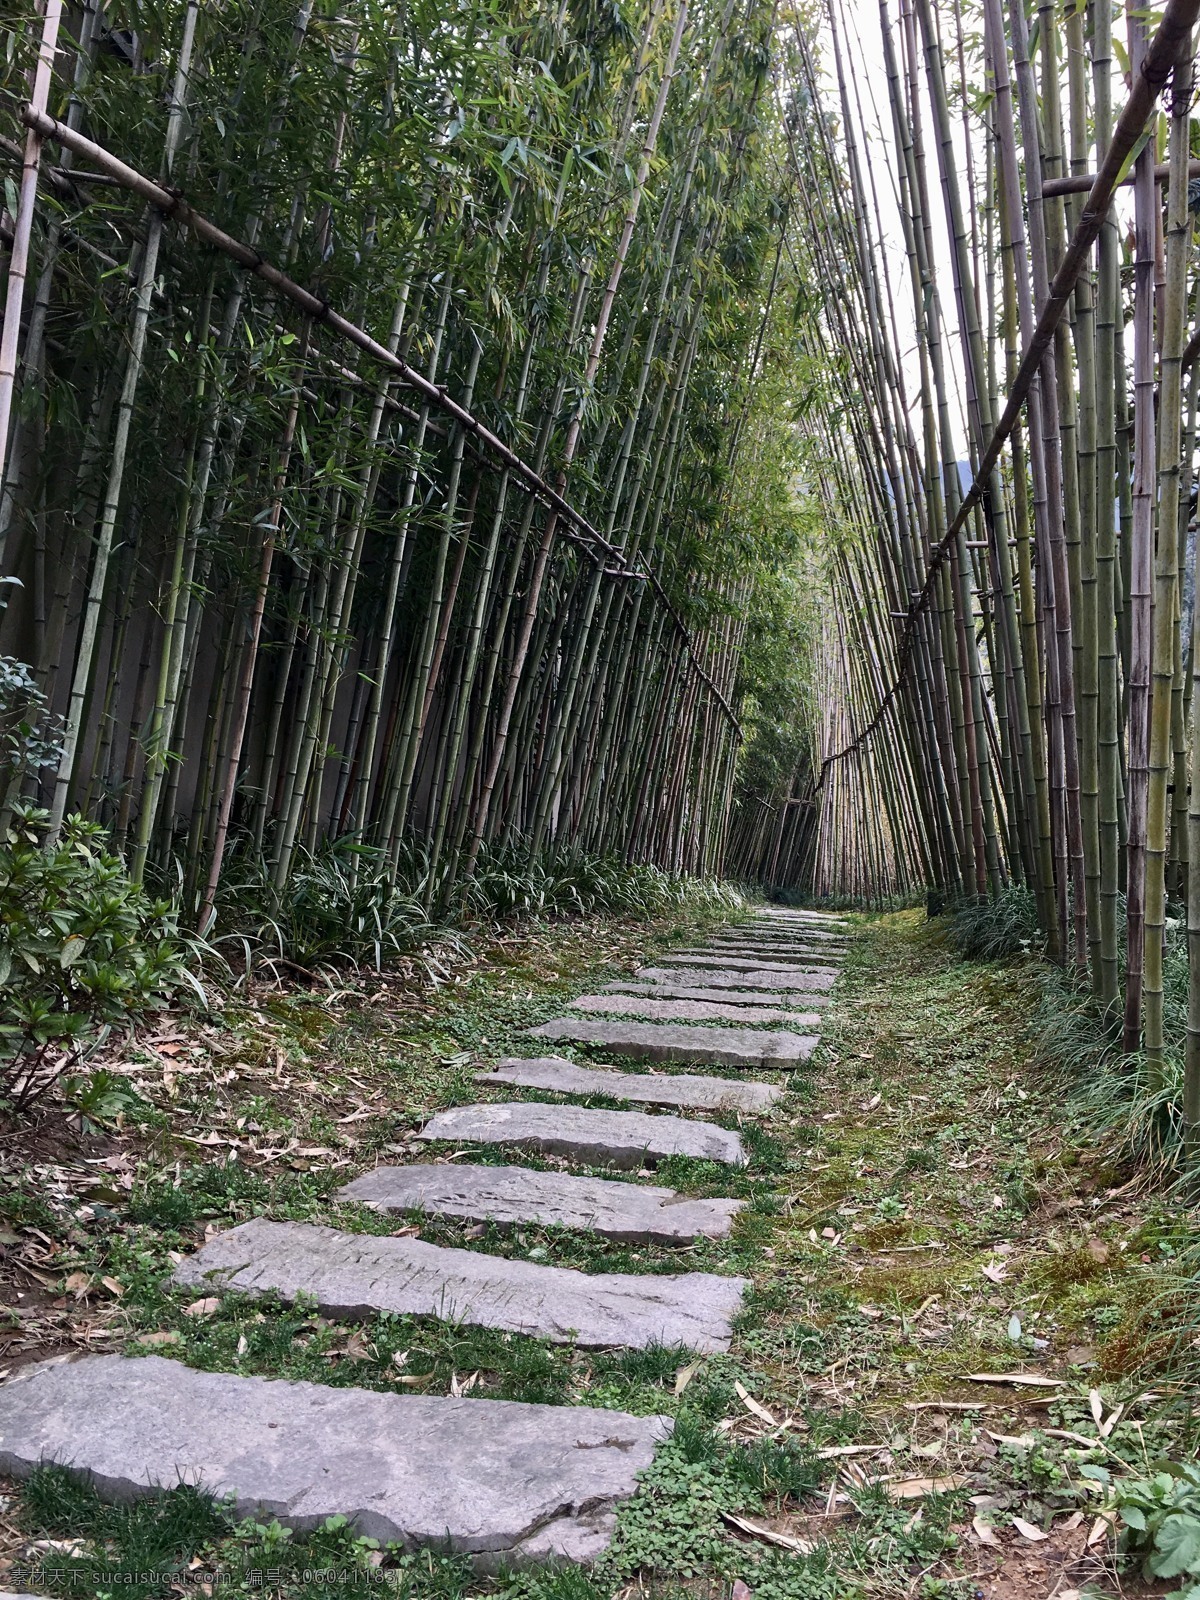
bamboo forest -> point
(662, 532)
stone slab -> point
(736, 954)
(779, 982)
(632, 1213)
(732, 963)
(497, 1480)
(652, 1088)
(717, 996)
(651, 1041)
(667, 1010)
(354, 1275)
(793, 917)
(764, 936)
(595, 1138)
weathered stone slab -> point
(497, 1480)
(797, 918)
(587, 1135)
(732, 963)
(353, 1275)
(757, 998)
(653, 1088)
(632, 1005)
(785, 982)
(759, 956)
(632, 1213)
(726, 1047)
(788, 940)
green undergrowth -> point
(349, 904)
(1116, 1096)
(917, 1211)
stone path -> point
(632, 1213)
(500, 1481)
(490, 1478)
(356, 1275)
(653, 1088)
(587, 1136)
(726, 1047)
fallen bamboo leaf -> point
(1114, 1417)
(1096, 1406)
(995, 1272)
(918, 1488)
(685, 1375)
(785, 1541)
(78, 1284)
(1028, 1531)
(751, 1404)
(202, 1308)
(836, 1450)
(1099, 1528)
(1075, 1438)
(1030, 1380)
(113, 1286)
(984, 1531)
(154, 1341)
(946, 1405)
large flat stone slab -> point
(632, 1005)
(353, 1275)
(724, 977)
(751, 964)
(748, 963)
(737, 955)
(653, 1088)
(791, 917)
(584, 1134)
(763, 938)
(726, 1047)
(497, 1480)
(719, 996)
(632, 1213)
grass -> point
(917, 1211)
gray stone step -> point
(789, 981)
(353, 1275)
(813, 937)
(497, 1480)
(737, 954)
(591, 1137)
(651, 1088)
(732, 963)
(802, 919)
(649, 1041)
(718, 996)
(632, 1213)
(632, 1005)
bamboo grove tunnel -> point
(741, 440)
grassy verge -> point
(918, 1214)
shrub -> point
(998, 928)
(24, 747)
(83, 950)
